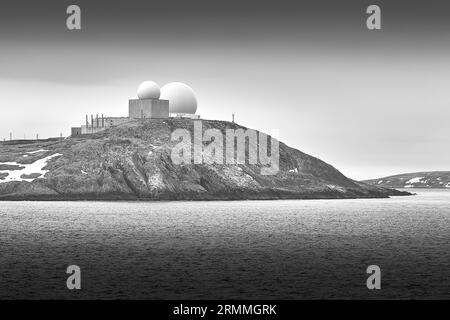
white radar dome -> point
(148, 90)
(181, 97)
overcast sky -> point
(371, 103)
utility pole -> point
(232, 117)
(10, 136)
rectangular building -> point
(148, 108)
(76, 131)
(100, 124)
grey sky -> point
(371, 103)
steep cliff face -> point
(133, 161)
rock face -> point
(430, 179)
(133, 162)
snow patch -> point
(40, 150)
(295, 170)
(83, 172)
(414, 180)
(35, 167)
(337, 188)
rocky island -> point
(132, 161)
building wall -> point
(148, 108)
(76, 131)
(102, 125)
(90, 130)
(114, 121)
(185, 115)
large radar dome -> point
(181, 97)
(148, 90)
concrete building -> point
(76, 131)
(100, 124)
(178, 101)
(148, 108)
(97, 124)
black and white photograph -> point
(224, 151)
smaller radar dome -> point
(148, 90)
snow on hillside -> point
(26, 170)
(414, 180)
(432, 179)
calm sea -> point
(293, 249)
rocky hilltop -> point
(429, 179)
(133, 162)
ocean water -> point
(287, 249)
